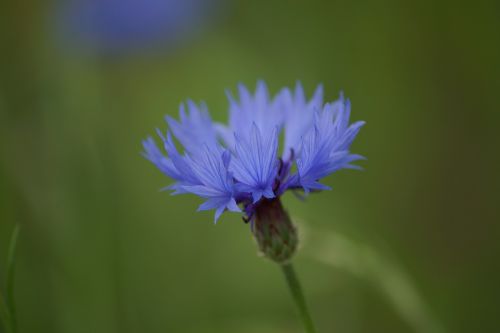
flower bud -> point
(274, 231)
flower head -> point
(115, 27)
(241, 165)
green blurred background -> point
(102, 250)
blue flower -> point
(122, 26)
(240, 164)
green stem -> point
(11, 264)
(298, 297)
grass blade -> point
(5, 316)
(11, 265)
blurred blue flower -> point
(114, 26)
(239, 164)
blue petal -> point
(259, 108)
(299, 115)
(325, 148)
(211, 169)
(255, 165)
(185, 174)
(194, 129)
(219, 204)
(157, 157)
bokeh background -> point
(411, 244)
